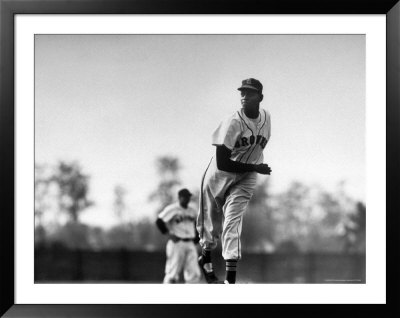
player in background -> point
(178, 220)
(230, 178)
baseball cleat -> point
(208, 271)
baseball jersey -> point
(245, 137)
(179, 221)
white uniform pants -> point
(223, 200)
(181, 256)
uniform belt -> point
(184, 239)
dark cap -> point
(184, 193)
(251, 83)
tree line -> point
(300, 219)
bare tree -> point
(73, 186)
(119, 202)
(168, 169)
(42, 185)
(355, 229)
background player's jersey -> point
(246, 137)
(179, 221)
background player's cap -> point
(184, 192)
(251, 83)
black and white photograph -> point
(159, 152)
(200, 158)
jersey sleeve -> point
(227, 133)
(167, 214)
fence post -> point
(78, 275)
(125, 264)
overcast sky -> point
(116, 102)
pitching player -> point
(230, 179)
(178, 220)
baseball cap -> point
(251, 83)
(184, 192)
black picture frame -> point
(8, 9)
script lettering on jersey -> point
(244, 141)
(182, 218)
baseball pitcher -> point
(230, 178)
